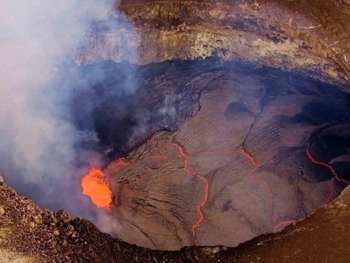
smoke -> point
(38, 138)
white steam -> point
(37, 139)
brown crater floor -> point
(262, 151)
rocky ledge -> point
(29, 234)
(302, 35)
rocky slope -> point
(28, 234)
(286, 34)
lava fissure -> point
(329, 184)
(261, 181)
(185, 157)
(267, 188)
(250, 158)
(330, 187)
(281, 224)
(329, 167)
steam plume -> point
(38, 153)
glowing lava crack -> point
(276, 226)
(159, 155)
(185, 157)
(329, 167)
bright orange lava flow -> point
(97, 188)
(329, 167)
(204, 200)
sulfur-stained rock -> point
(284, 34)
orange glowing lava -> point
(97, 188)
(332, 171)
(261, 181)
(282, 224)
(250, 158)
(329, 167)
(204, 200)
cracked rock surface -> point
(262, 150)
(286, 34)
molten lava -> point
(328, 166)
(185, 157)
(97, 188)
(276, 226)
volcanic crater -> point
(231, 122)
(210, 152)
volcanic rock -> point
(250, 161)
(275, 142)
(299, 35)
(319, 238)
(305, 36)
